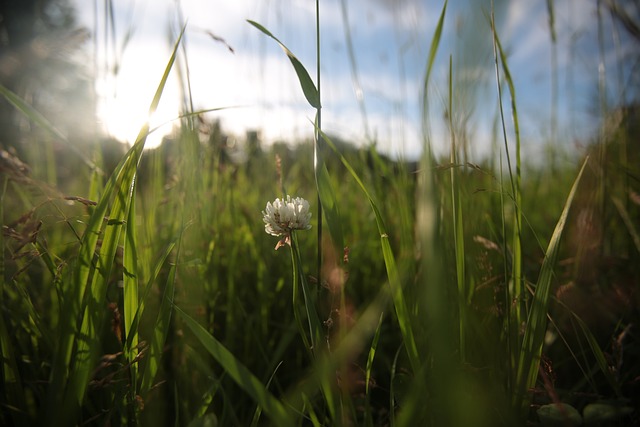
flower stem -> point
(300, 281)
(296, 295)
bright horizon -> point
(390, 40)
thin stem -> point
(296, 293)
(602, 94)
(554, 75)
(318, 135)
(300, 281)
(354, 70)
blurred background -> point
(92, 67)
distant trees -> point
(40, 62)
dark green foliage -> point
(236, 286)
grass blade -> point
(458, 229)
(329, 204)
(160, 330)
(433, 50)
(601, 360)
(308, 87)
(141, 302)
(258, 411)
(84, 299)
(42, 122)
(10, 376)
(536, 326)
(313, 321)
(372, 354)
(516, 290)
(369, 367)
(111, 236)
(628, 222)
(238, 372)
(130, 297)
(323, 374)
(395, 283)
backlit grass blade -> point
(190, 115)
(111, 238)
(239, 373)
(96, 181)
(433, 50)
(32, 114)
(141, 302)
(75, 303)
(42, 122)
(131, 345)
(84, 301)
(308, 87)
(536, 325)
(130, 298)
(516, 290)
(87, 344)
(160, 330)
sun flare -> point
(123, 118)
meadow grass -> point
(148, 293)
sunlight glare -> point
(123, 118)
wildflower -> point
(283, 216)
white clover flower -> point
(283, 216)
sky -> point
(373, 60)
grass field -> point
(139, 287)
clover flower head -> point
(283, 216)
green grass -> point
(146, 292)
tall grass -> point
(425, 297)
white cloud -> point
(386, 33)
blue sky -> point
(390, 40)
